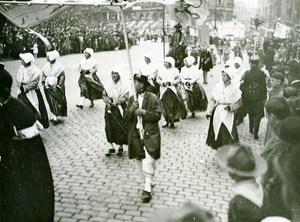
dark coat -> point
(152, 139)
(254, 92)
(243, 210)
(205, 61)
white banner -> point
(25, 16)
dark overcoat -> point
(152, 139)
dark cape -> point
(26, 185)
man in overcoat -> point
(144, 140)
(254, 94)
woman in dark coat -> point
(205, 63)
(26, 185)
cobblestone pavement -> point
(92, 187)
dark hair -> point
(279, 107)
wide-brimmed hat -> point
(170, 60)
(240, 160)
(288, 130)
(140, 77)
(52, 55)
(296, 84)
(89, 51)
(27, 57)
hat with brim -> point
(288, 130)
(225, 153)
(141, 78)
(277, 75)
(26, 57)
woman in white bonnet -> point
(28, 78)
(89, 83)
(115, 96)
(195, 96)
(53, 80)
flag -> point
(25, 16)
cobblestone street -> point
(92, 187)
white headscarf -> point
(52, 55)
(170, 60)
(27, 57)
(189, 60)
(89, 51)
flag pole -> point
(139, 118)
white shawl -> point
(191, 74)
(87, 64)
(224, 96)
(168, 75)
(26, 75)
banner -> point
(25, 16)
(281, 31)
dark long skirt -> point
(27, 193)
(115, 127)
(41, 114)
(90, 89)
(197, 99)
(224, 137)
(57, 101)
(172, 106)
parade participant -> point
(188, 212)
(89, 83)
(205, 63)
(150, 70)
(244, 167)
(178, 46)
(144, 138)
(115, 97)
(195, 95)
(238, 82)
(287, 165)
(277, 109)
(26, 185)
(28, 78)
(172, 104)
(226, 98)
(254, 95)
(269, 58)
(53, 80)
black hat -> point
(288, 130)
(141, 78)
(278, 75)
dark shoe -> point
(146, 196)
(110, 151)
(251, 130)
(255, 136)
(172, 126)
(80, 106)
(193, 115)
(165, 125)
(120, 152)
(57, 122)
(92, 105)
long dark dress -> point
(172, 106)
(90, 88)
(224, 136)
(56, 97)
(26, 185)
(197, 99)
